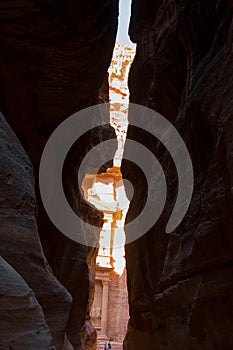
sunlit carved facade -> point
(110, 307)
(110, 312)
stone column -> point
(104, 314)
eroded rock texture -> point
(18, 302)
(180, 284)
(21, 248)
(54, 59)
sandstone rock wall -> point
(118, 308)
(24, 325)
(54, 59)
(18, 302)
(180, 284)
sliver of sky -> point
(124, 18)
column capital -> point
(105, 282)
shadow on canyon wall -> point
(54, 59)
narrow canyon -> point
(55, 61)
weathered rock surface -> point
(118, 308)
(21, 248)
(22, 322)
(54, 59)
(180, 284)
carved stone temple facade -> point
(109, 312)
(110, 308)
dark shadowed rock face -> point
(29, 329)
(180, 284)
(21, 248)
(54, 59)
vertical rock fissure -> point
(110, 317)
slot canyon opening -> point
(106, 192)
(54, 60)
